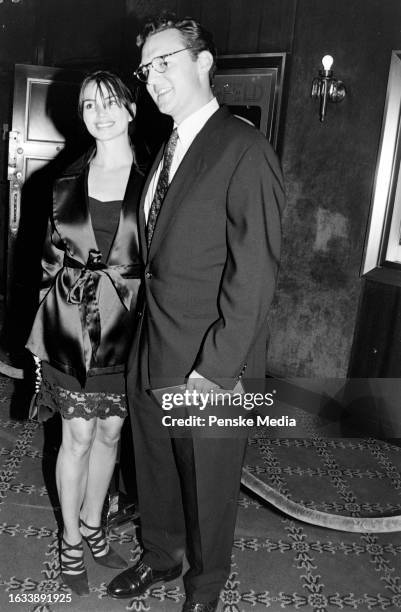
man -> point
(211, 250)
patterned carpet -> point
(277, 563)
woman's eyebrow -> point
(104, 98)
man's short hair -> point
(195, 36)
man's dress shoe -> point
(135, 580)
(192, 606)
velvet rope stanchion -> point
(382, 524)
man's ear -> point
(205, 61)
(133, 109)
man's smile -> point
(161, 93)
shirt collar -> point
(189, 128)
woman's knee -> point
(108, 431)
(78, 437)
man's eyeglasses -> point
(158, 63)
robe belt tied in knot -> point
(84, 290)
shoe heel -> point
(77, 582)
(94, 541)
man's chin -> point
(166, 109)
(165, 104)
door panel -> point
(46, 135)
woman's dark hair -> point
(113, 86)
(195, 36)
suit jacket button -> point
(148, 274)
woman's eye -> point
(113, 102)
(88, 106)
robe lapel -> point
(125, 246)
(71, 215)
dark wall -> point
(83, 32)
(329, 168)
(239, 26)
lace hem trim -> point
(81, 404)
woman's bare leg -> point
(102, 461)
(72, 473)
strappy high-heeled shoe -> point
(98, 544)
(72, 569)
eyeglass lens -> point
(158, 64)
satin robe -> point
(86, 316)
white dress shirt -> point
(187, 130)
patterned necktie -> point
(162, 185)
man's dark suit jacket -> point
(211, 267)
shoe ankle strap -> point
(71, 546)
(96, 540)
(82, 522)
(69, 561)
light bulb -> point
(327, 62)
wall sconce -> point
(326, 87)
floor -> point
(278, 563)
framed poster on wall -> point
(251, 86)
(382, 253)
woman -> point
(86, 317)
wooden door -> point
(46, 135)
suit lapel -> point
(194, 163)
(142, 220)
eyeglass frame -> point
(150, 64)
